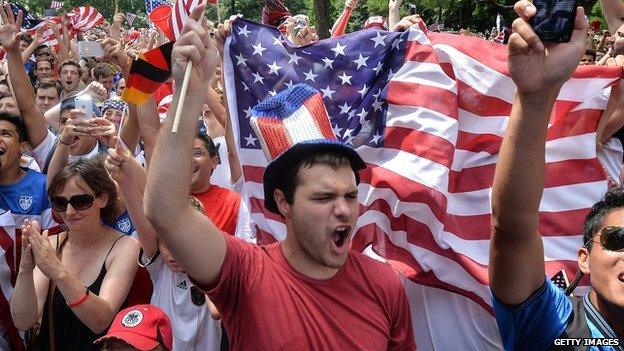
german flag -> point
(147, 73)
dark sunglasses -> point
(611, 238)
(78, 202)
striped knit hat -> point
(291, 126)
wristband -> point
(80, 300)
(62, 142)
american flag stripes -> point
(180, 14)
(46, 28)
(427, 112)
(85, 17)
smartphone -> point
(554, 20)
(412, 9)
(90, 49)
(84, 103)
(301, 21)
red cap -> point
(140, 326)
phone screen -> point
(85, 104)
(90, 49)
(554, 20)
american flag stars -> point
(345, 70)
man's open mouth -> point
(340, 235)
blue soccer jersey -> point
(535, 324)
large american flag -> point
(180, 14)
(427, 112)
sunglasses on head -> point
(611, 238)
(78, 202)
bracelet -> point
(80, 300)
(62, 142)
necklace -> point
(88, 256)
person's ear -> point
(103, 200)
(583, 260)
(23, 147)
(282, 205)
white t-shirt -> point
(42, 151)
(193, 326)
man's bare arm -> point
(191, 237)
(613, 10)
(516, 266)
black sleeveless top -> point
(69, 332)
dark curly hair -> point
(93, 173)
(613, 199)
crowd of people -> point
(121, 235)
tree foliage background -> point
(477, 15)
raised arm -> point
(149, 123)
(192, 238)
(394, 12)
(516, 267)
(613, 10)
(124, 169)
(22, 89)
(236, 171)
(340, 25)
(31, 48)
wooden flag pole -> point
(178, 113)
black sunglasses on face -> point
(78, 202)
(612, 238)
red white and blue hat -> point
(291, 126)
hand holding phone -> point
(90, 49)
(554, 20)
(84, 103)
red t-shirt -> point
(267, 305)
(221, 206)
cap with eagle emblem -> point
(142, 326)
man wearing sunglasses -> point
(531, 312)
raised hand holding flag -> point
(196, 15)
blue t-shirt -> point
(28, 199)
(535, 324)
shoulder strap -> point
(59, 246)
(111, 248)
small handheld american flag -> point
(561, 280)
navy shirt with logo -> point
(123, 224)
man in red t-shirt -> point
(223, 206)
(310, 291)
